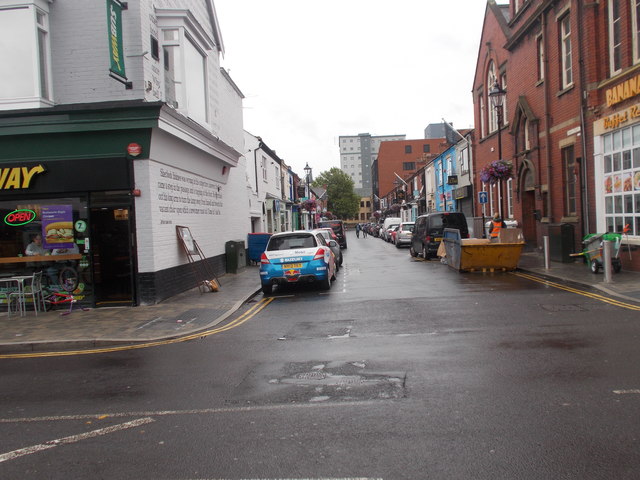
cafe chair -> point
(33, 289)
(12, 300)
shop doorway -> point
(111, 256)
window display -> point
(621, 182)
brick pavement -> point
(181, 315)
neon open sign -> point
(19, 217)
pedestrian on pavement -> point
(497, 224)
(358, 230)
(364, 231)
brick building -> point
(402, 159)
(571, 154)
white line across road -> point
(72, 439)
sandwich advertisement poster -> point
(57, 226)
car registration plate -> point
(287, 266)
(438, 239)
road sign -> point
(483, 197)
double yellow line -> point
(257, 308)
(595, 296)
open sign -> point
(19, 217)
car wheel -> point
(325, 284)
(267, 289)
(594, 266)
(397, 244)
(425, 252)
(341, 259)
(412, 252)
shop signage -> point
(452, 180)
(18, 177)
(19, 217)
(617, 119)
(627, 89)
(134, 149)
(57, 226)
(116, 57)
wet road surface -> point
(403, 370)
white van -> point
(388, 222)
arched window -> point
(491, 80)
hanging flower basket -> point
(498, 170)
(309, 205)
(395, 208)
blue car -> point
(297, 257)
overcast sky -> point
(312, 71)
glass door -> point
(111, 255)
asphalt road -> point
(403, 370)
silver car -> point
(403, 235)
(332, 243)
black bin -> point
(561, 242)
(236, 255)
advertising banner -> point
(114, 29)
(57, 226)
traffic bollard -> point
(606, 261)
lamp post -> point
(497, 95)
(307, 173)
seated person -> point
(35, 247)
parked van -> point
(428, 230)
(388, 223)
(338, 228)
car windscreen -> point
(291, 242)
(407, 228)
(336, 227)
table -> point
(19, 283)
(41, 258)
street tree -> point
(343, 202)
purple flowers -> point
(498, 170)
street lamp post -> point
(307, 173)
(497, 95)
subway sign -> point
(19, 217)
(17, 178)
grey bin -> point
(236, 255)
(561, 242)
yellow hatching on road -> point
(594, 296)
(235, 323)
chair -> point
(33, 289)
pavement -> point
(192, 311)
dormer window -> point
(184, 52)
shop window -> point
(621, 179)
(569, 163)
(25, 81)
(566, 53)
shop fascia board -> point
(80, 118)
(189, 131)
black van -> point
(338, 228)
(428, 230)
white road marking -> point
(635, 391)
(205, 411)
(149, 323)
(72, 439)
